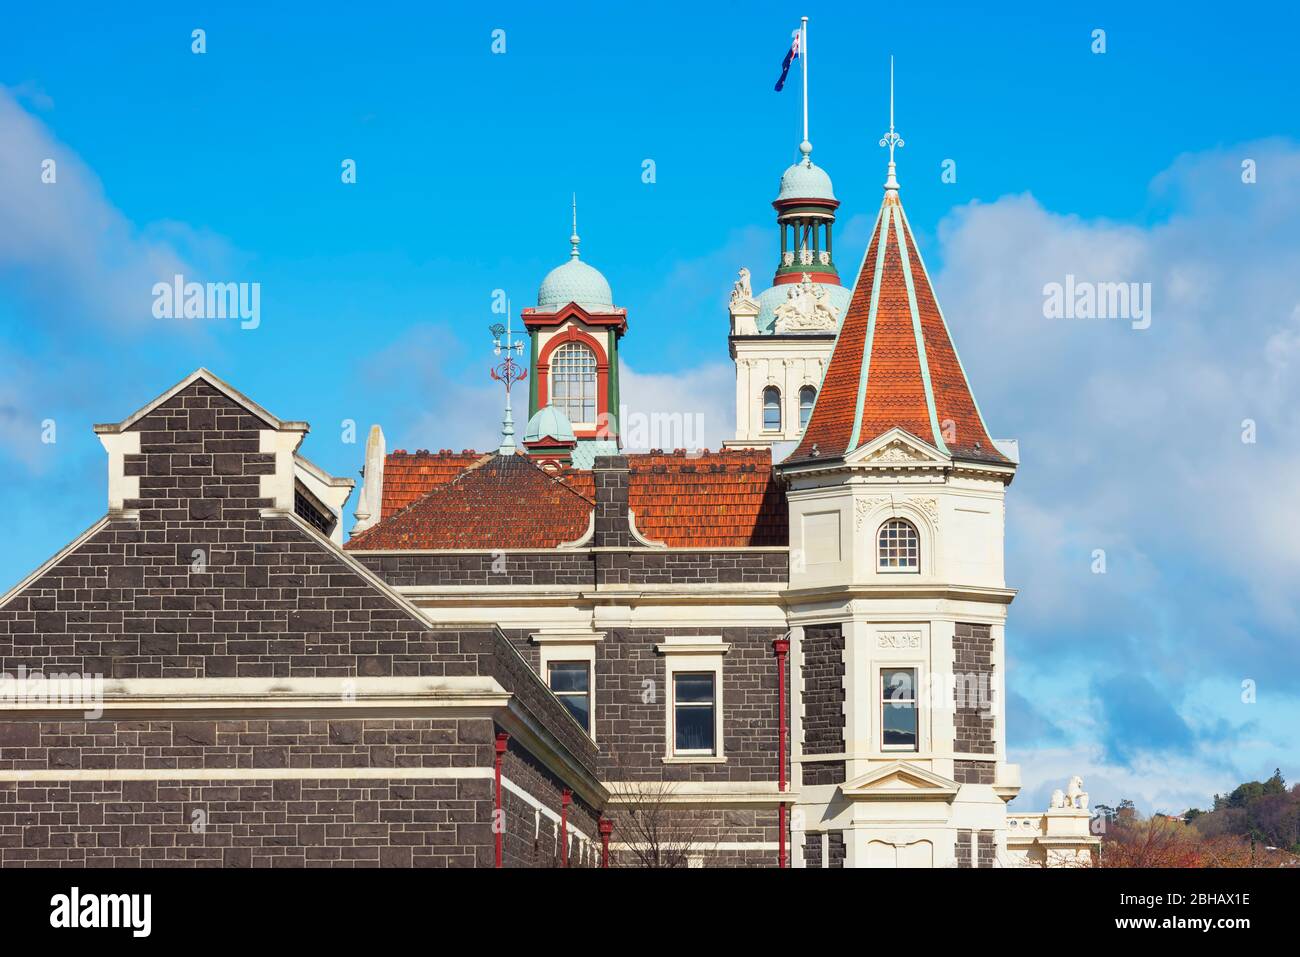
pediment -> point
(897, 447)
(900, 781)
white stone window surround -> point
(693, 654)
(557, 646)
(899, 545)
(917, 667)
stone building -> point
(794, 662)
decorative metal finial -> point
(891, 139)
(507, 371)
(574, 238)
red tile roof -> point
(708, 500)
(503, 501)
(903, 339)
(684, 500)
(409, 475)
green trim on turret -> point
(864, 370)
(916, 331)
(612, 397)
(532, 372)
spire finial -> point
(574, 238)
(891, 139)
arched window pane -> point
(772, 409)
(900, 547)
(807, 396)
(573, 382)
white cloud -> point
(1132, 439)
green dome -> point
(575, 281)
(805, 180)
(550, 423)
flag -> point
(789, 58)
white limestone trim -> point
(333, 694)
(246, 774)
(217, 383)
(538, 806)
(570, 646)
(636, 534)
(121, 486)
(578, 542)
(58, 556)
(694, 653)
(899, 589)
(703, 847)
(898, 448)
(331, 491)
(567, 637)
(926, 784)
(703, 646)
(278, 486)
(753, 549)
(712, 793)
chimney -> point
(611, 481)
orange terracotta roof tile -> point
(723, 499)
(502, 501)
(408, 476)
(912, 377)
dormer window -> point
(899, 547)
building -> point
(796, 662)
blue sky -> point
(375, 296)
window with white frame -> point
(771, 409)
(900, 728)
(571, 683)
(899, 546)
(694, 713)
(573, 382)
(693, 698)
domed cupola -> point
(575, 282)
(575, 330)
(805, 214)
(549, 436)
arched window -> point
(807, 396)
(573, 382)
(900, 547)
(771, 409)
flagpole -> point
(803, 55)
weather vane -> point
(508, 371)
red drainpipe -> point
(498, 819)
(606, 828)
(565, 797)
(781, 647)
